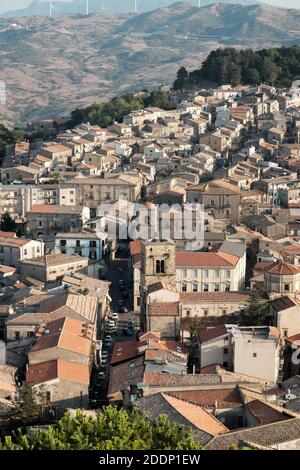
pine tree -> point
(26, 409)
(257, 312)
(112, 429)
(7, 223)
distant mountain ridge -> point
(54, 65)
(41, 7)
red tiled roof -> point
(42, 208)
(124, 351)
(224, 397)
(58, 369)
(7, 234)
(264, 413)
(282, 269)
(211, 369)
(206, 334)
(164, 309)
(202, 259)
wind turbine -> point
(87, 6)
(51, 8)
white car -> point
(108, 340)
(114, 316)
(103, 362)
(110, 324)
(101, 375)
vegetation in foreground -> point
(113, 429)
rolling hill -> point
(53, 65)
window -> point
(286, 287)
(195, 273)
(93, 243)
(183, 273)
(25, 252)
(17, 336)
(205, 288)
(225, 364)
(160, 267)
(205, 313)
(205, 273)
(217, 287)
(63, 242)
(285, 333)
(227, 273)
(225, 350)
(254, 354)
(224, 311)
(40, 223)
(78, 243)
(212, 202)
(187, 313)
(29, 334)
(48, 397)
(183, 288)
(227, 288)
(195, 287)
(217, 273)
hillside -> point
(220, 19)
(54, 65)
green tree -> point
(7, 223)
(182, 76)
(253, 76)
(26, 408)
(112, 429)
(257, 312)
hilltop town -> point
(205, 333)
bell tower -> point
(158, 263)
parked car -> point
(107, 340)
(104, 354)
(114, 316)
(101, 375)
(94, 404)
(125, 294)
(131, 321)
(110, 324)
(103, 362)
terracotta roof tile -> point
(224, 397)
(206, 334)
(264, 413)
(58, 369)
(282, 269)
(163, 309)
(202, 259)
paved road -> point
(119, 269)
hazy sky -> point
(6, 5)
